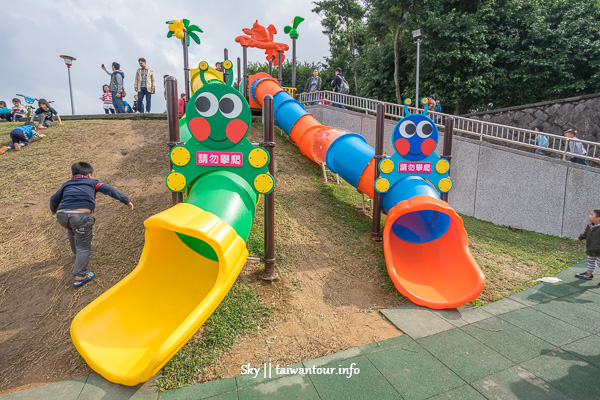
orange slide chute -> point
(437, 274)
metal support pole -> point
(271, 66)
(280, 72)
(269, 144)
(379, 131)
(186, 71)
(293, 63)
(225, 72)
(447, 152)
(71, 91)
(173, 124)
(239, 72)
(418, 59)
(245, 57)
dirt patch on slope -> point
(329, 293)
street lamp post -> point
(417, 35)
(69, 60)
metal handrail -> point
(467, 126)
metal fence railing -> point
(561, 146)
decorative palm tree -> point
(183, 30)
(293, 32)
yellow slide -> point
(129, 332)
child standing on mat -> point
(46, 114)
(73, 205)
(592, 244)
(20, 137)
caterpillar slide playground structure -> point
(425, 243)
(193, 251)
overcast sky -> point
(36, 33)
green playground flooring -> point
(542, 343)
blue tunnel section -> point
(349, 156)
(419, 226)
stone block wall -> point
(556, 116)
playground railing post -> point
(269, 145)
(245, 57)
(239, 71)
(280, 71)
(186, 70)
(271, 66)
(226, 72)
(173, 124)
(293, 62)
(379, 132)
(447, 152)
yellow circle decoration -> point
(445, 185)
(180, 156)
(227, 64)
(424, 100)
(264, 183)
(258, 158)
(176, 181)
(442, 166)
(386, 166)
(382, 185)
(407, 102)
(203, 66)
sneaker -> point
(583, 275)
(4, 149)
(41, 127)
(17, 146)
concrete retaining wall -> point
(498, 184)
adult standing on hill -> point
(144, 85)
(313, 85)
(336, 85)
(116, 86)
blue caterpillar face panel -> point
(415, 137)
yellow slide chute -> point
(134, 328)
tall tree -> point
(342, 21)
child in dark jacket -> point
(73, 205)
(592, 244)
(20, 137)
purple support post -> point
(225, 72)
(173, 124)
(239, 72)
(293, 63)
(245, 56)
(186, 69)
(269, 145)
(447, 152)
(379, 132)
(280, 72)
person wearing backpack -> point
(339, 85)
(116, 86)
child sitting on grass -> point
(46, 114)
(18, 112)
(20, 137)
(592, 244)
(73, 205)
(4, 111)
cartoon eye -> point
(424, 129)
(407, 129)
(207, 104)
(230, 105)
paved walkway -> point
(542, 343)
